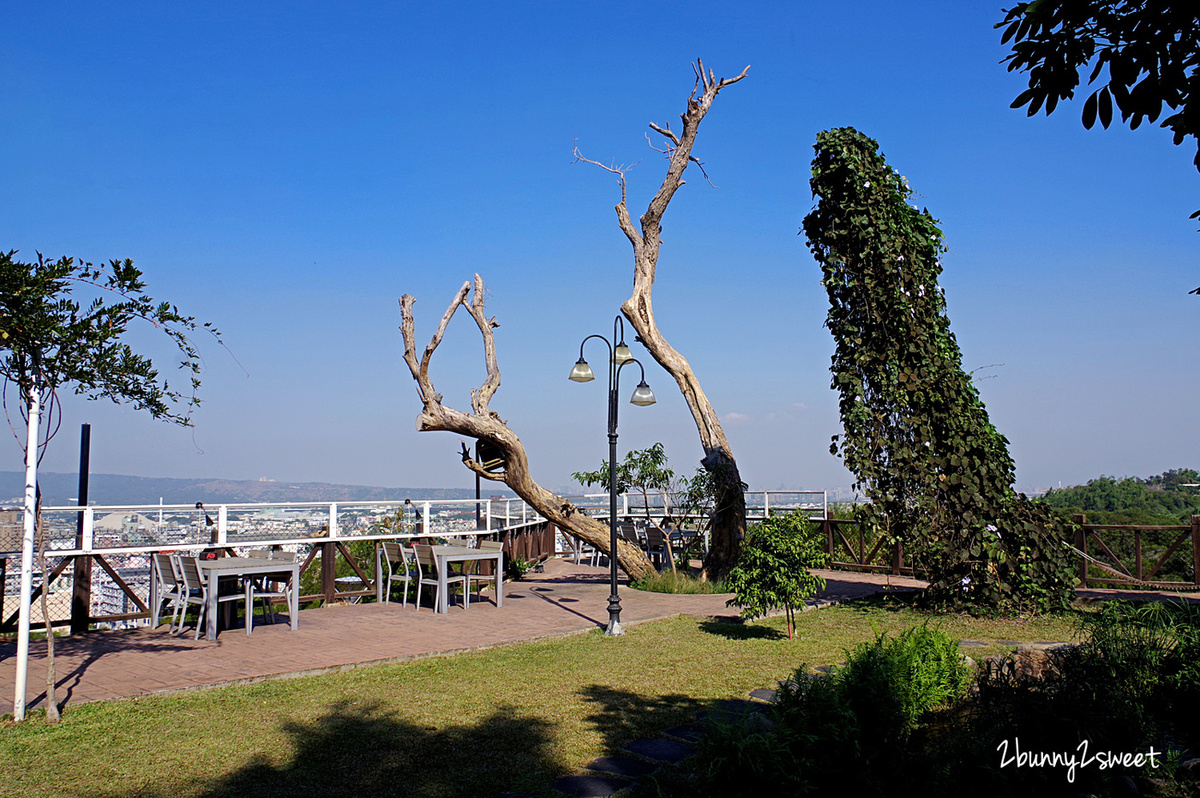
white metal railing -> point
(143, 528)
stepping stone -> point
(590, 786)
(1008, 642)
(689, 733)
(971, 643)
(623, 766)
(661, 750)
(764, 694)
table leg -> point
(443, 594)
(154, 599)
(499, 580)
(210, 607)
(379, 573)
(294, 608)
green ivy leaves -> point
(917, 436)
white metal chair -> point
(268, 588)
(396, 555)
(196, 592)
(169, 587)
(475, 579)
(585, 550)
(427, 571)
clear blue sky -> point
(287, 170)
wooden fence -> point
(1139, 553)
(1140, 556)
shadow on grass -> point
(622, 716)
(733, 630)
(367, 749)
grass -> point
(668, 581)
(511, 718)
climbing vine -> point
(916, 434)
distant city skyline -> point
(288, 170)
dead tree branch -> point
(484, 424)
(729, 519)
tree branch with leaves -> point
(49, 340)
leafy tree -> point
(1149, 51)
(772, 572)
(646, 471)
(1163, 499)
(48, 340)
(917, 436)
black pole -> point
(614, 598)
(583, 373)
(478, 517)
(81, 595)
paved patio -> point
(565, 599)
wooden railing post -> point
(1081, 544)
(828, 527)
(1196, 549)
(1137, 553)
(328, 570)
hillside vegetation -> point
(1162, 499)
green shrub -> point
(772, 571)
(845, 731)
(676, 582)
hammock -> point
(1179, 587)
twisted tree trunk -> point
(729, 514)
(484, 424)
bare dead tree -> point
(729, 513)
(485, 424)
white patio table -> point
(243, 567)
(448, 554)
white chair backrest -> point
(396, 554)
(491, 545)
(190, 573)
(167, 574)
(425, 558)
(259, 554)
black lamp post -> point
(619, 357)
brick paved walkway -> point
(566, 599)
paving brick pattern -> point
(566, 599)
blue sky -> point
(288, 170)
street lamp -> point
(619, 357)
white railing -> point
(143, 528)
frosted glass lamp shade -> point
(642, 395)
(582, 372)
(622, 354)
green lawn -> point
(510, 718)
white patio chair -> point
(427, 571)
(196, 592)
(585, 551)
(169, 586)
(268, 588)
(475, 579)
(398, 569)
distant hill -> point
(61, 489)
(1168, 499)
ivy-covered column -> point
(916, 434)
